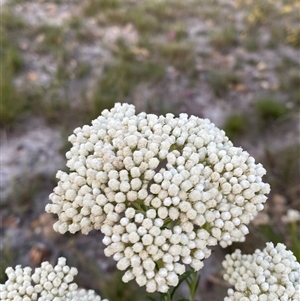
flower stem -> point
(193, 282)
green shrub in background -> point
(221, 80)
(269, 108)
(11, 104)
(235, 125)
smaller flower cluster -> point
(270, 274)
(292, 216)
(47, 283)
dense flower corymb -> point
(267, 275)
(160, 188)
(47, 283)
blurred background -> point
(235, 62)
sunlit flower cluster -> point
(160, 188)
(270, 274)
(47, 283)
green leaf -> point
(197, 283)
(182, 279)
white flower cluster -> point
(47, 283)
(152, 254)
(292, 216)
(267, 275)
(160, 188)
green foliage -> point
(148, 17)
(235, 125)
(160, 9)
(260, 12)
(193, 282)
(55, 109)
(11, 22)
(283, 167)
(169, 10)
(82, 70)
(293, 36)
(77, 26)
(210, 10)
(292, 80)
(144, 22)
(122, 291)
(270, 109)
(270, 234)
(159, 106)
(191, 278)
(7, 258)
(75, 23)
(51, 38)
(120, 78)
(290, 83)
(289, 1)
(180, 55)
(279, 21)
(25, 189)
(93, 7)
(12, 104)
(294, 97)
(294, 233)
(224, 38)
(179, 31)
(250, 42)
(221, 80)
(278, 35)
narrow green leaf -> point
(197, 283)
(182, 279)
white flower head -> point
(292, 215)
(270, 274)
(46, 283)
(162, 184)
